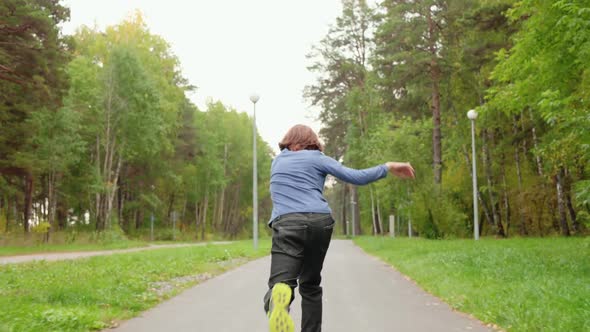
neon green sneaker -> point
(279, 319)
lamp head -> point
(254, 98)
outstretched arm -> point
(368, 175)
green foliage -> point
(57, 140)
(88, 294)
(32, 54)
(165, 235)
(111, 236)
(518, 284)
(583, 193)
(99, 125)
(135, 105)
(114, 136)
(41, 228)
(68, 320)
(546, 71)
(522, 64)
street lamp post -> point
(472, 115)
(152, 218)
(254, 99)
(173, 225)
(152, 227)
(354, 221)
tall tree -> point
(408, 59)
(33, 54)
(545, 74)
(341, 61)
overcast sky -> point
(230, 48)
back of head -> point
(301, 137)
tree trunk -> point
(555, 214)
(197, 215)
(522, 225)
(41, 209)
(435, 77)
(343, 208)
(484, 207)
(109, 176)
(170, 206)
(561, 203)
(535, 143)
(576, 226)
(183, 212)
(375, 231)
(232, 217)
(111, 192)
(15, 213)
(204, 220)
(488, 170)
(525, 149)
(29, 186)
(540, 223)
(221, 220)
(50, 198)
(486, 210)
(539, 164)
(6, 213)
(229, 215)
(379, 220)
(575, 223)
(506, 200)
(100, 175)
(121, 197)
(214, 224)
(53, 206)
(356, 211)
(139, 218)
(61, 211)
(222, 197)
(235, 215)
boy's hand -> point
(401, 170)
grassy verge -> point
(66, 241)
(42, 248)
(518, 284)
(90, 294)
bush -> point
(71, 236)
(437, 216)
(164, 235)
(3, 223)
(112, 235)
(42, 228)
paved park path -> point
(361, 293)
(57, 256)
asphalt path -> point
(361, 293)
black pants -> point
(299, 245)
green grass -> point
(89, 294)
(42, 248)
(517, 284)
(65, 241)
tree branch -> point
(21, 28)
(12, 79)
